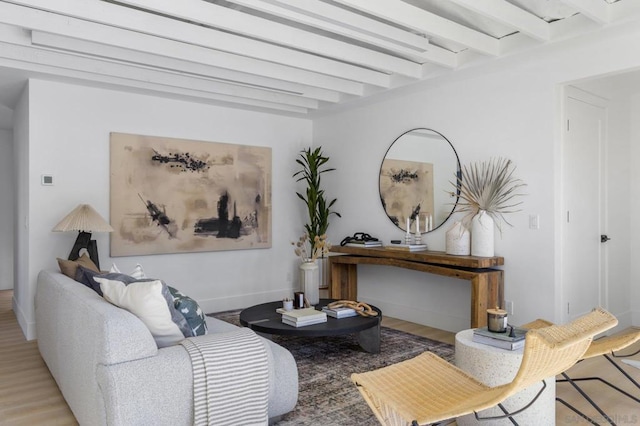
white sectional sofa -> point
(111, 371)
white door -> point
(583, 268)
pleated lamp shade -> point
(84, 219)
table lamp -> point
(85, 220)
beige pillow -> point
(69, 267)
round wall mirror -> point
(415, 180)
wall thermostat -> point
(47, 179)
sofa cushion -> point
(70, 267)
(137, 273)
(191, 311)
(85, 276)
(150, 301)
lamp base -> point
(84, 241)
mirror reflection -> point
(415, 178)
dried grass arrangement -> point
(489, 186)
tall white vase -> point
(323, 272)
(309, 275)
(482, 233)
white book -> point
(365, 244)
(304, 323)
(407, 247)
(304, 314)
(340, 312)
(498, 343)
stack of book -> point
(375, 243)
(339, 312)
(407, 247)
(303, 317)
(500, 340)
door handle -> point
(604, 238)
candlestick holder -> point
(407, 238)
(418, 238)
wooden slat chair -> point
(428, 389)
(605, 346)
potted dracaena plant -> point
(488, 191)
(313, 163)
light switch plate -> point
(46, 180)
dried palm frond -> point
(489, 186)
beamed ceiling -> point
(285, 56)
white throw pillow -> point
(137, 273)
(145, 300)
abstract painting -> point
(178, 196)
(406, 191)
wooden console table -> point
(487, 283)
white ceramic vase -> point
(482, 233)
(458, 240)
(323, 272)
(309, 276)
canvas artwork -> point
(178, 196)
(406, 191)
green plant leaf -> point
(318, 209)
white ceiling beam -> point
(624, 10)
(337, 29)
(355, 21)
(228, 19)
(171, 29)
(76, 28)
(96, 71)
(176, 79)
(370, 27)
(509, 15)
(420, 20)
(596, 10)
(176, 65)
(572, 26)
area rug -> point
(327, 397)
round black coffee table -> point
(265, 320)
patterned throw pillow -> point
(149, 300)
(85, 276)
(191, 311)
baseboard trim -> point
(221, 304)
(28, 327)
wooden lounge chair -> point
(428, 389)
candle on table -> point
(417, 224)
(408, 226)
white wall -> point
(69, 138)
(23, 290)
(6, 209)
(617, 209)
(634, 211)
(509, 107)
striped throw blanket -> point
(230, 378)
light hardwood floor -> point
(29, 395)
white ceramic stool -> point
(495, 366)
